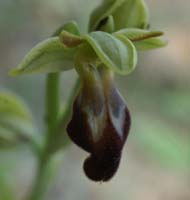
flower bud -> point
(100, 123)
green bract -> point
(15, 121)
(119, 54)
(143, 39)
(126, 13)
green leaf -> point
(13, 105)
(143, 39)
(14, 134)
(7, 138)
(117, 54)
(126, 13)
(47, 57)
(15, 120)
(21, 128)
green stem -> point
(52, 103)
(39, 186)
(52, 111)
(46, 159)
(47, 169)
(60, 133)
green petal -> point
(117, 54)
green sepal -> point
(149, 44)
(131, 14)
(102, 12)
(126, 13)
(143, 39)
(50, 55)
(46, 57)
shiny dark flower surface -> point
(100, 124)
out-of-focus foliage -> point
(15, 120)
(7, 192)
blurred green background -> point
(156, 158)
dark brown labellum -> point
(100, 125)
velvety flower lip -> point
(100, 125)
